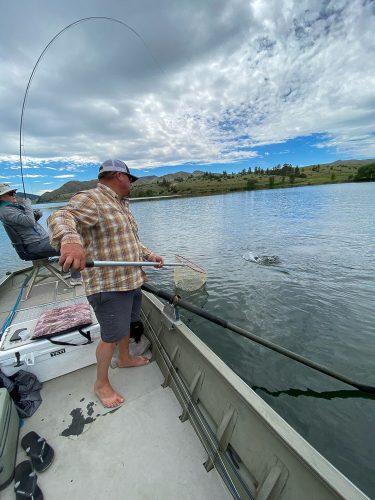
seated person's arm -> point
(13, 214)
(38, 214)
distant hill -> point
(201, 183)
(70, 188)
(67, 190)
(32, 197)
(347, 163)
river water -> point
(317, 299)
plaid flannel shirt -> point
(104, 225)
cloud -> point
(218, 80)
(31, 176)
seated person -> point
(21, 216)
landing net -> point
(188, 276)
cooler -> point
(43, 358)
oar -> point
(176, 300)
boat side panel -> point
(263, 442)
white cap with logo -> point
(117, 166)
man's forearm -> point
(62, 229)
(147, 254)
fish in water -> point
(266, 260)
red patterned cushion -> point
(62, 320)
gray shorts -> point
(115, 311)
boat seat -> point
(39, 263)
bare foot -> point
(133, 361)
(108, 396)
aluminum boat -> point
(190, 428)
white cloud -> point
(31, 176)
(229, 77)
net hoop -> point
(190, 276)
(190, 264)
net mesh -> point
(189, 276)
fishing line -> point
(85, 19)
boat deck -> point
(140, 450)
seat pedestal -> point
(37, 266)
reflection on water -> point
(197, 297)
(318, 301)
(295, 393)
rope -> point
(13, 311)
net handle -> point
(109, 263)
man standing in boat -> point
(98, 225)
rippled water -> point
(317, 300)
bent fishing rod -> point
(177, 301)
(69, 26)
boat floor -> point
(140, 450)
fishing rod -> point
(177, 301)
(79, 21)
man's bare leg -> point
(103, 389)
(124, 358)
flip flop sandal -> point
(25, 481)
(40, 452)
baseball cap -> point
(6, 188)
(117, 166)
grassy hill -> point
(203, 183)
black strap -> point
(87, 336)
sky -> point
(182, 85)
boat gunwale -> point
(303, 451)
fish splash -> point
(265, 260)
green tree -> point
(271, 181)
(251, 184)
(366, 173)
